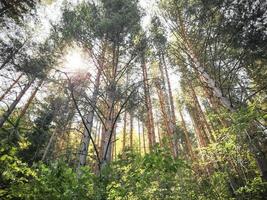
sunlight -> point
(75, 61)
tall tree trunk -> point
(202, 116)
(172, 108)
(199, 69)
(10, 87)
(114, 144)
(131, 130)
(86, 135)
(204, 76)
(124, 131)
(108, 131)
(144, 138)
(25, 108)
(139, 135)
(106, 143)
(202, 139)
(166, 119)
(187, 138)
(48, 145)
(98, 143)
(11, 108)
(148, 104)
(159, 134)
(170, 92)
(96, 128)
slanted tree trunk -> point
(48, 145)
(187, 138)
(202, 116)
(199, 69)
(199, 130)
(11, 108)
(204, 76)
(25, 108)
(10, 87)
(217, 92)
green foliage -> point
(56, 181)
(158, 176)
(154, 176)
(253, 189)
(13, 171)
(115, 21)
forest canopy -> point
(133, 99)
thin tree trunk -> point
(159, 134)
(148, 104)
(172, 108)
(139, 135)
(170, 92)
(6, 114)
(10, 87)
(202, 116)
(98, 136)
(144, 138)
(114, 144)
(166, 120)
(131, 130)
(96, 128)
(202, 140)
(25, 108)
(124, 131)
(166, 100)
(48, 145)
(187, 138)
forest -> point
(133, 99)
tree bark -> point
(48, 145)
(10, 87)
(148, 104)
(6, 114)
(139, 135)
(187, 138)
(124, 131)
(86, 138)
(166, 120)
(131, 130)
(144, 138)
(25, 108)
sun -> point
(75, 60)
